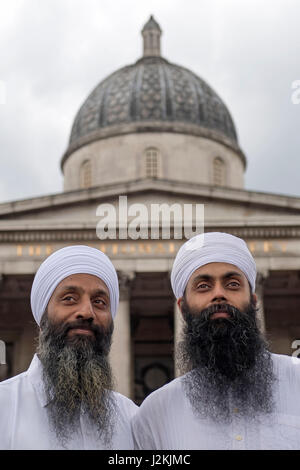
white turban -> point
(77, 259)
(213, 247)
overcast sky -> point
(54, 52)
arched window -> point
(152, 163)
(219, 172)
(86, 174)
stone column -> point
(178, 325)
(120, 354)
(260, 279)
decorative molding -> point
(88, 235)
(153, 126)
(30, 236)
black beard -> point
(227, 362)
(77, 378)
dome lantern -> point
(151, 33)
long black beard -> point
(77, 379)
(227, 361)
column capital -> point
(261, 276)
(125, 279)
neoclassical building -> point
(158, 134)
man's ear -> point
(254, 298)
(179, 303)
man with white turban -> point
(233, 394)
(65, 399)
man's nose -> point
(85, 310)
(219, 293)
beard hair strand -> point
(225, 362)
(77, 380)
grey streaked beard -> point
(77, 379)
(226, 362)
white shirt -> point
(166, 421)
(24, 421)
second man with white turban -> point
(233, 394)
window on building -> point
(152, 163)
(219, 172)
(86, 174)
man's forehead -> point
(216, 270)
(83, 281)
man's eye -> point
(100, 301)
(202, 286)
(234, 284)
(68, 298)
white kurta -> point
(24, 421)
(166, 421)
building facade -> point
(157, 134)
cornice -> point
(154, 126)
(170, 187)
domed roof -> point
(152, 95)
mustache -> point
(82, 325)
(232, 311)
(57, 334)
(61, 331)
(202, 317)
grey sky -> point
(54, 52)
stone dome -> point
(152, 95)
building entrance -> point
(152, 327)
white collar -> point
(35, 375)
